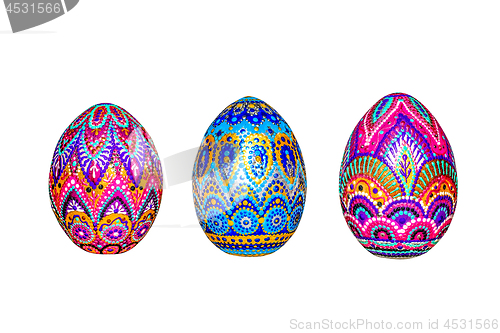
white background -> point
(175, 65)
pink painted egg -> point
(105, 180)
(398, 180)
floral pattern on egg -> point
(105, 180)
(398, 180)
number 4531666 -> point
(40, 8)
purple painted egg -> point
(398, 180)
(105, 180)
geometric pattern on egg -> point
(249, 180)
(105, 180)
(398, 179)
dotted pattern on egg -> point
(105, 180)
(398, 180)
(249, 180)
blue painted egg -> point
(249, 180)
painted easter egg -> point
(249, 180)
(398, 180)
(105, 180)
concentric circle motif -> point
(249, 180)
(82, 233)
(275, 220)
(245, 222)
(114, 234)
(111, 249)
(217, 221)
(141, 231)
(420, 233)
(295, 219)
(105, 169)
(382, 232)
(398, 179)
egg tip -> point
(249, 98)
(398, 94)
